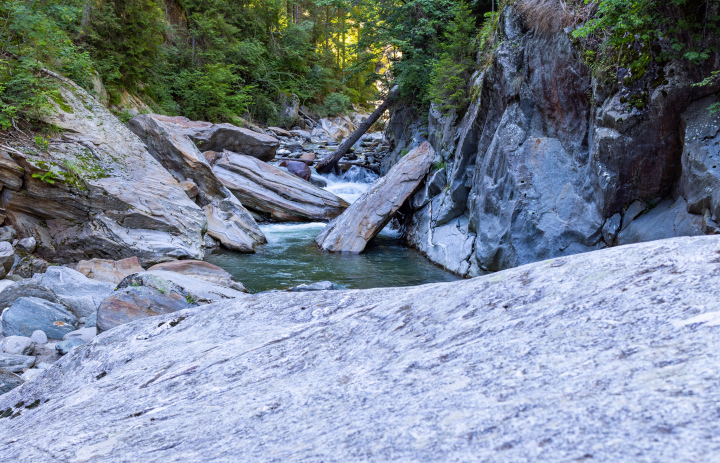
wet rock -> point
(373, 210)
(299, 169)
(219, 137)
(275, 193)
(563, 344)
(111, 271)
(133, 303)
(202, 271)
(7, 258)
(171, 144)
(18, 345)
(7, 233)
(86, 334)
(27, 244)
(280, 132)
(319, 286)
(39, 337)
(114, 200)
(308, 157)
(16, 363)
(29, 314)
(8, 382)
(66, 346)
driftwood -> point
(327, 164)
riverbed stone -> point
(18, 345)
(28, 314)
(66, 346)
(39, 337)
(111, 271)
(86, 334)
(201, 270)
(82, 294)
(28, 244)
(15, 363)
(275, 193)
(133, 303)
(31, 374)
(367, 216)
(603, 354)
(28, 288)
(91, 320)
(195, 289)
(7, 233)
(299, 169)
(8, 382)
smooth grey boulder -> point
(82, 294)
(219, 137)
(7, 233)
(201, 270)
(27, 244)
(199, 290)
(274, 193)
(18, 345)
(39, 337)
(367, 216)
(15, 363)
(7, 258)
(28, 288)
(613, 354)
(8, 382)
(86, 334)
(28, 314)
(66, 346)
(318, 286)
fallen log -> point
(328, 164)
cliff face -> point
(548, 162)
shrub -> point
(337, 104)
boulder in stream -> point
(202, 271)
(275, 193)
(367, 216)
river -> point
(291, 258)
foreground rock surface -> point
(368, 215)
(275, 193)
(612, 355)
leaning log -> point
(326, 165)
(366, 217)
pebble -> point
(39, 337)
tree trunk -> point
(328, 164)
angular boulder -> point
(97, 191)
(202, 271)
(172, 146)
(8, 382)
(29, 314)
(592, 357)
(275, 193)
(28, 288)
(110, 271)
(81, 294)
(373, 210)
(18, 345)
(219, 137)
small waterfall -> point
(351, 184)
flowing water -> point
(291, 258)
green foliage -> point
(710, 80)
(42, 142)
(336, 104)
(213, 93)
(451, 73)
(638, 34)
(48, 177)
